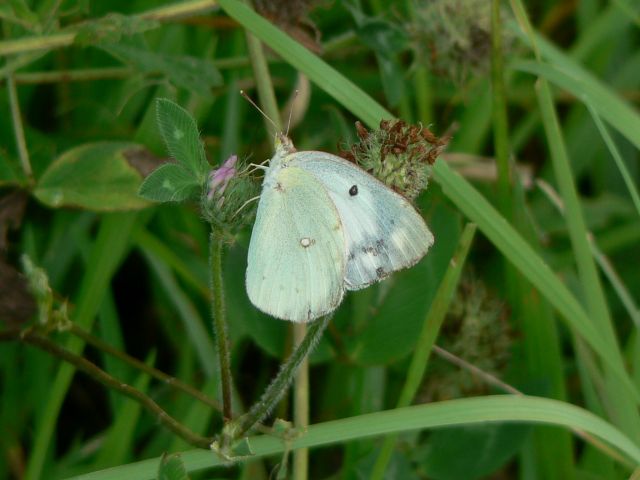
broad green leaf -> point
(190, 73)
(172, 468)
(182, 138)
(95, 176)
(169, 183)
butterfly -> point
(324, 226)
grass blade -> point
(468, 411)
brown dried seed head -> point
(362, 132)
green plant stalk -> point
(216, 242)
(90, 74)
(301, 405)
(262, 77)
(500, 120)
(143, 367)
(467, 411)
(551, 450)
(84, 365)
(424, 95)
(16, 117)
(279, 385)
(615, 153)
(430, 329)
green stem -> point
(301, 405)
(500, 121)
(427, 338)
(18, 129)
(261, 74)
(219, 324)
(279, 384)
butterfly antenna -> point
(293, 100)
(248, 99)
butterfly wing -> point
(383, 231)
(296, 261)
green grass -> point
(556, 256)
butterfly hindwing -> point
(296, 261)
(383, 231)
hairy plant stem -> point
(284, 378)
(216, 242)
(32, 337)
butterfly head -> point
(283, 144)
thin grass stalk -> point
(430, 329)
(18, 129)
(605, 265)
(262, 77)
(615, 153)
(500, 121)
(301, 405)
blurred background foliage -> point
(78, 80)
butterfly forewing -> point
(296, 262)
(383, 231)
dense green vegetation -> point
(510, 351)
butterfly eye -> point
(353, 191)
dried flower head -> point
(225, 200)
(453, 37)
(398, 154)
(477, 330)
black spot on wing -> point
(353, 191)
